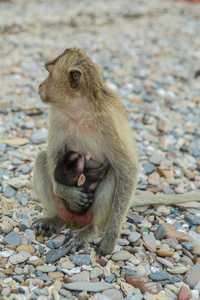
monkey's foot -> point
(106, 245)
(80, 238)
(49, 224)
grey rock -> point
(168, 191)
(110, 279)
(39, 136)
(46, 269)
(187, 246)
(192, 276)
(41, 292)
(13, 238)
(3, 173)
(24, 201)
(18, 278)
(3, 158)
(148, 169)
(134, 295)
(9, 192)
(65, 293)
(134, 236)
(81, 259)
(55, 254)
(2, 147)
(45, 277)
(38, 208)
(27, 223)
(159, 276)
(39, 248)
(113, 294)
(129, 272)
(160, 232)
(88, 286)
(26, 169)
(156, 159)
(50, 244)
(175, 278)
(6, 291)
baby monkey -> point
(71, 170)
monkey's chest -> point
(83, 138)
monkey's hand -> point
(48, 224)
(73, 195)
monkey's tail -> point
(164, 199)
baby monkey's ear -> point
(74, 78)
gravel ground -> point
(148, 52)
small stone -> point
(165, 262)
(88, 286)
(149, 239)
(184, 293)
(65, 293)
(82, 276)
(178, 270)
(6, 227)
(134, 236)
(45, 277)
(110, 279)
(136, 282)
(9, 192)
(37, 282)
(35, 263)
(12, 238)
(24, 201)
(122, 242)
(187, 246)
(160, 232)
(164, 253)
(192, 277)
(141, 271)
(196, 250)
(81, 259)
(55, 254)
(121, 255)
(46, 268)
(55, 275)
(67, 264)
(148, 169)
(113, 294)
(39, 136)
(180, 190)
(95, 272)
(164, 210)
(8, 271)
(19, 258)
(101, 261)
(50, 245)
(153, 287)
(28, 248)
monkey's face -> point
(71, 75)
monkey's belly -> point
(87, 217)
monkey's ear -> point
(74, 78)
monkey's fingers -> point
(75, 244)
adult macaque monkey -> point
(86, 116)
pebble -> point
(39, 136)
(28, 248)
(9, 192)
(19, 258)
(46, 268)
(149, 239)
(94, 287)
(6, 227)
(134, 236)
(80, 260)
(113, 294)
(55, 254)
(12, 238)
(160, 232)
(121, 255)
(82, 276)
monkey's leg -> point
(42, 185)
(164, 199)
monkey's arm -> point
(95, 175)
(164, 199)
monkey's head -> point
(71, 75)
(69, 168)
